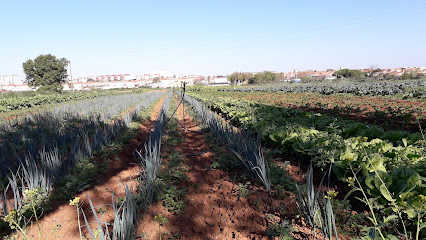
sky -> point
(212, 37)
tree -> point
(348, 73)
(411, 75)
(306, 79)
(233, 78)
(262, 77)
(46, 71)
(239, 77)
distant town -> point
(166, 79)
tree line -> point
(261, 77)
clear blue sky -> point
(212, 37)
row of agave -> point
(243, 143)
(150, 157)
(62, 126)
(22, 100)
(125, 216)
(39, 171)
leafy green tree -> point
(156, 80)
(233, 78)
(252, 80)
(348, 73)
(279, 77)
(306, 79)
(262, 77)
(238, 77)
(46, 71)
(411, 75)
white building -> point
(165, 83)
(104, 78)
(16, 87)
(105, 85)
(160, 74)
(10, 80)
(173, 82)
(218, 80)
(13, 83)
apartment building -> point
(10, 80)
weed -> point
(277, 229)
(243, 191)
(175, 235)
(280, 177)
(102, 211)
(174, 159)
(120, 201)
(172, 197)
(14, 218)
(76, 202)
(161, 220)
(227, 162)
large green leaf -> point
(404, 181)
(374, 163)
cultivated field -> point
(291, 161)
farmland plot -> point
(222, 182)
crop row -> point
(59, 127)
(18, 102)
(388, 113)
(126, 212)
(412, 88)
(246, 146)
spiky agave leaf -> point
(125, 217)
(103, 233)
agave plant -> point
(316, 206)
(125, 219)
(151, 161)
(151, 156)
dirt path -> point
(61, 221)
(214, 208)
